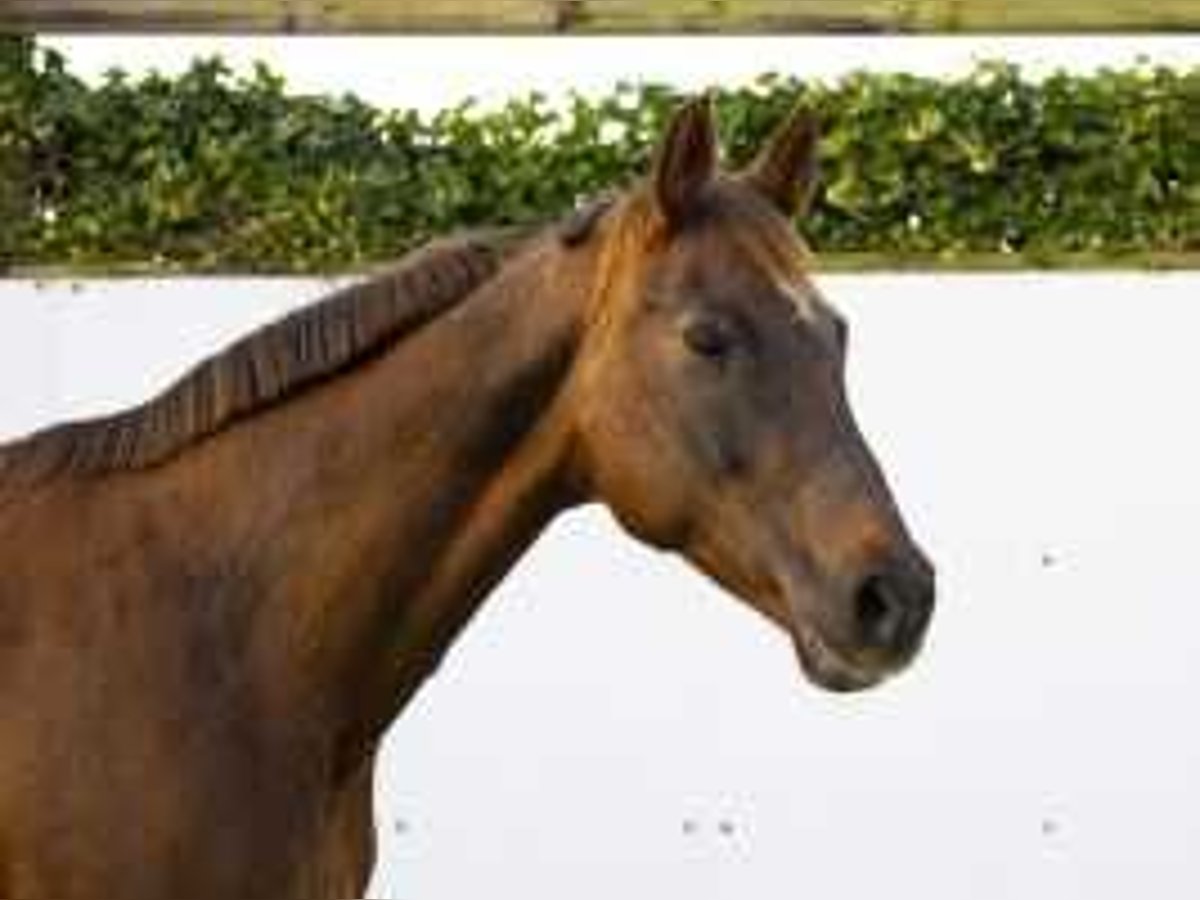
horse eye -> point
(708, 338)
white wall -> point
(432, 73)
(613, 726)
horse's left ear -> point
(686, 160)
(785, 171)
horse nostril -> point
(892, 612)
(879, 613)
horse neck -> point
(431, 471)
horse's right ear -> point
(686, 160)
(785, 171)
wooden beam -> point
(548, 16)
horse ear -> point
(785, 171)
(686, 160)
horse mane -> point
(271, 364)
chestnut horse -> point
(213, 605)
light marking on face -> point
(804, 298)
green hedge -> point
(16, 212)
(206, 171)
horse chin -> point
(828, 668)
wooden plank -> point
(1055, 15)
(542, 16)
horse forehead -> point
(762, 271)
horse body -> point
(212, 607)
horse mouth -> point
(829, 668)
(839, 659)
(822, 661)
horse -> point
(212, 605)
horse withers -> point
(212, 605)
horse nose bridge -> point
(850, 508)
(875, 500)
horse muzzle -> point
(890, 611)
